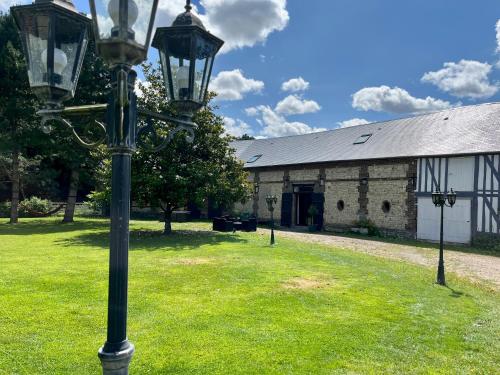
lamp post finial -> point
(188, 6)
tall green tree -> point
(186, 172)
(18, 126)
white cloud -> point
(252, 111)
(465, 79)
(240, 23)
(352, 122)
(232, 85)
(498, 35)
(236, 128)
(293, 105)
(275, 125)
(244, 23)
(295, 85)
(394, 100)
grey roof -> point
(458, 131)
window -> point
(340, 205)
(362, 139)
(386, 207)
(253, 159)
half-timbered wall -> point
(487, 180)
(474, 177)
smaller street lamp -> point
(271, 200)
(440, 200)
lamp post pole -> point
(439, 199)
(271, 200)
(440, 274)
(272, 227)
(117, 352)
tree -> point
(184, 172)
(18, 126)
(80, 163)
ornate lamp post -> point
(439, 199)
(271, 200)
(54, 37)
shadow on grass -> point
(399, 241)
(455, 293)
(45, 226)
(141, 240)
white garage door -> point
(457, 226)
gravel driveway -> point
(476, 267)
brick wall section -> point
(363, 189)
(271, 176)
(390, 180)
(297, 175)
(393, 191)
(347, 192)
(411, 201)
(342, 173)
(391, 183)
(269, 189)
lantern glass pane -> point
(69, 49)
(141, 26)
(136, 15)
(167, 74)
(179, 70)
(36, 34)
(206, 77)
(104, 21)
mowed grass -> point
(207, 303)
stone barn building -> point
(385, 172)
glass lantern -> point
(452, 197)
(54, 37)
(436, 197)
(123, 29)
(187, 51)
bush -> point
(99, 202)
(34, 206)
(4, 209)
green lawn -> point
(205, 303)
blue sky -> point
(359, 60)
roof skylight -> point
(253, 159)
(362, 139)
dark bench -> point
(229, 224)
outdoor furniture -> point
(220, 224)
(230, 224)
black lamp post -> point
(55, 37)
(439, 199)
(271, 200)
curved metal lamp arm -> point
(56, 115)
(182, 125)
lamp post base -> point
(116, 363)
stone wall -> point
(346, 191)
(362, 186)
(269, 189)
(388, 183)
(306, 174)
(393, 192)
